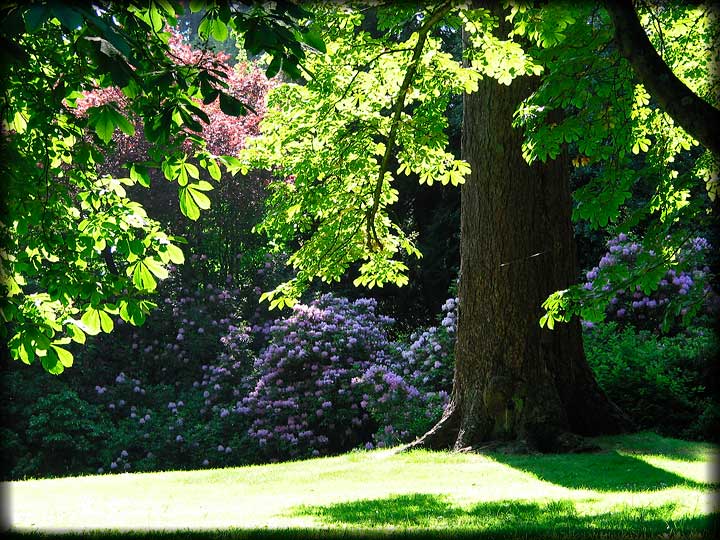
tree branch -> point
(439, 13)
(693, 114)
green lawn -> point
(639, 486)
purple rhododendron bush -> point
(330, 380)
(677, 298)
(198, 386)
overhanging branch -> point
(692, 113)
(428, 25)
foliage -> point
(330, 139)
(76, 249)
(173, 381)
(61, 436)
(194, 343)
(661, 382)
(386, 91)
(678, 296)
(315, 377)
(426, 363)
(589, 98)
(371, 107)
(195, 387)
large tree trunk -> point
(513, 380)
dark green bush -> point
(658, 381)
(63, 434)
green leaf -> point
(274, 67)
(175, 253)
(141, 276)
(65, 356)
(104, 122)
(91, 321)
(105, 119)
(192, 170)
(26, 353)
(156, 267)
(214, 169)
(35, 17)
(124, 124)
(132, 312)
(187, 204)
(231, 105)
(77, 335)
(68, 16)
(202, 185)
(200, 199)
(106, 323)
(313, 39)
(51, 363)
(219, 30)
(140, 174)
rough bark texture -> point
(513, 380)
(697, 117)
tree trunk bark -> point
(513, 380)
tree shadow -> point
(606, 471)
(508, 518)
(648, 442)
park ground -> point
(636, 486)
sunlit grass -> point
(638, 486)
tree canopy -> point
(374, 108)
(363, 108)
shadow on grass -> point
(647, 442)
(607, 471)
(510, 518)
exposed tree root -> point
(442, 436)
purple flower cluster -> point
(428, 360)
(674, 295)
(426, 365)
(316, 376)
(189, 390)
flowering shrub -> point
(237, 200)
(164, 425)
(427, 365)
(318, 377)
(169, 396)
(677, 295)
(429, 358)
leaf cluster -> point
(77, 249)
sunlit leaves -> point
(135, 312)
(105, 119)
(328, 137)
(192, 199)
(64, 356)
(500, 59)
(142, 273)
(80, 84)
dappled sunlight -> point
(427, 511)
